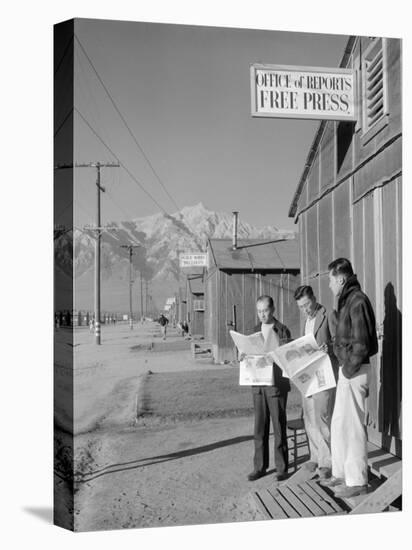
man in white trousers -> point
(355, 342)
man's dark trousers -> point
(268, 404)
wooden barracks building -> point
(348, 204)
(236, 275)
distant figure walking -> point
(91, 325)
(185, 328)
(163, 322)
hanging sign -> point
(193, 260)
(319, 93)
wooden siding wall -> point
(211, 320)
(224, 290)
(196, 319)
(355, 212)
(197, 323)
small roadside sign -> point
(193, 260)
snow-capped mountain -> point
(161, 238)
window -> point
(198, 305)
(374, 85)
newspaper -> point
(306, 365)
(255, 343)
(257, 366)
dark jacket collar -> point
(320, 316)
(351, 285)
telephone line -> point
(132, 176)
(64, 121)
(126, 125)
(120, 162)
(134, 139)
(118, 206)
(63, 55)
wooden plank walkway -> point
(382, 497)
(303, 496)
(201, 348)
(382, 463)
(302, 500)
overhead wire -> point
(120, 162)
(76, 203)
(57, 216)
(66, 49)
(84, 91)
(131, 133)
(70, 113)
(126, 124)
(122, 210)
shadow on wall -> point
(390, 396)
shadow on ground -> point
(144, 462)
(43, 513)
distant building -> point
(236, 278)
(195, 292)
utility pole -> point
(146, 297)
(98, 229)
(130, 248)
(141, 295)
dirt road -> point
(160, 470)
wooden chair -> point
(297, 427)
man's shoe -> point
(253, 476)
(348, 492)
(332, 482)
(310, 466)
(324, 473)
(279, 477)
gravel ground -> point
(164, 468)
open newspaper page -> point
(256, 369)
(306, 365)
(249, 345)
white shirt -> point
(269, 335)
(310, 325)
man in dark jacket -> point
(317, 409)
(355, 342)
(163, 322)
(269, 402)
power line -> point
(64, 121)
(63, 55)
(76, 203)
(130, 248)
(120, 162)
(110, 196)
(134, 139)
(84, 87)
(126, 125)
(130, 132)
(133, 177)
(57, 216)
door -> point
(377, 262)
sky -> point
(184, 92)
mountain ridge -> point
(160, 237)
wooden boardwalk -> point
(302, 495)
(301, 500)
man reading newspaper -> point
(269, 401)
(318, 407)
